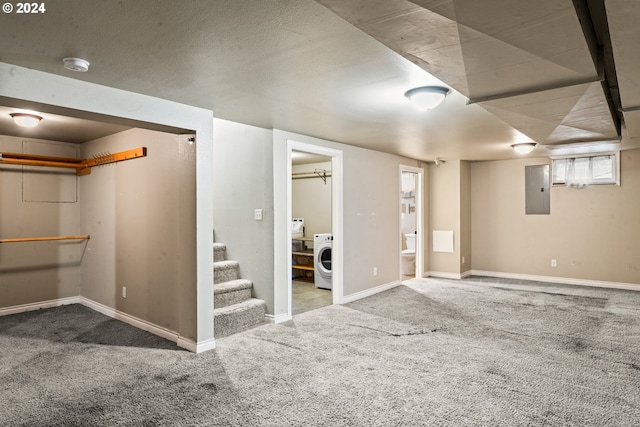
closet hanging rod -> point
(318, 173)
(41, 239)
(312, 174)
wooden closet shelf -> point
(82, 166)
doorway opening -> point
(411, 220)
(315, 219)
(311, 235)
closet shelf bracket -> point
(322, 173)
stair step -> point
(231, 292)
(219, 252)
(224, 271)
(238, 317)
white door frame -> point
(419, 217)
(337, 290)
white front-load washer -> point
(322, 260)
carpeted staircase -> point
(234, 309)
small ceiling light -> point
(26, 120)
(427, 97)
(524, 148)
(76, 64)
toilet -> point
(409, 255)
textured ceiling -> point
(57, 127)
(530, 64)
(338, 69)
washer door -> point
(324, 261)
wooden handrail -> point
(41, 239)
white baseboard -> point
(182, 342)
(278, 318)
(188, 345)
(446, 275)
(38, 305)
(563, 280)
(195, 347)
(131, 320)
(115, 314)
(368, 292)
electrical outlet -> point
(124, 292)
(375, 271)
(554, 263)
(257, 214)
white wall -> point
(444, 215)
(311, 199)
(38, 202)
(371, 219)
(450, 210)
(243, 173)
(140, 214)
(408, 218)
(593, 233)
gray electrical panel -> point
(537, 190)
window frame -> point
(616, 163)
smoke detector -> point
(76, 64)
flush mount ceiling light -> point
(524, 148)
(26, 120)
(427, 97)
(76, 64)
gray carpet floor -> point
(432, 352)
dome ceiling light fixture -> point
(427, 97)
(26, 120)
(76, 64)
(524, 148)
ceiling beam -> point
(593, 20)
(598, 78)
